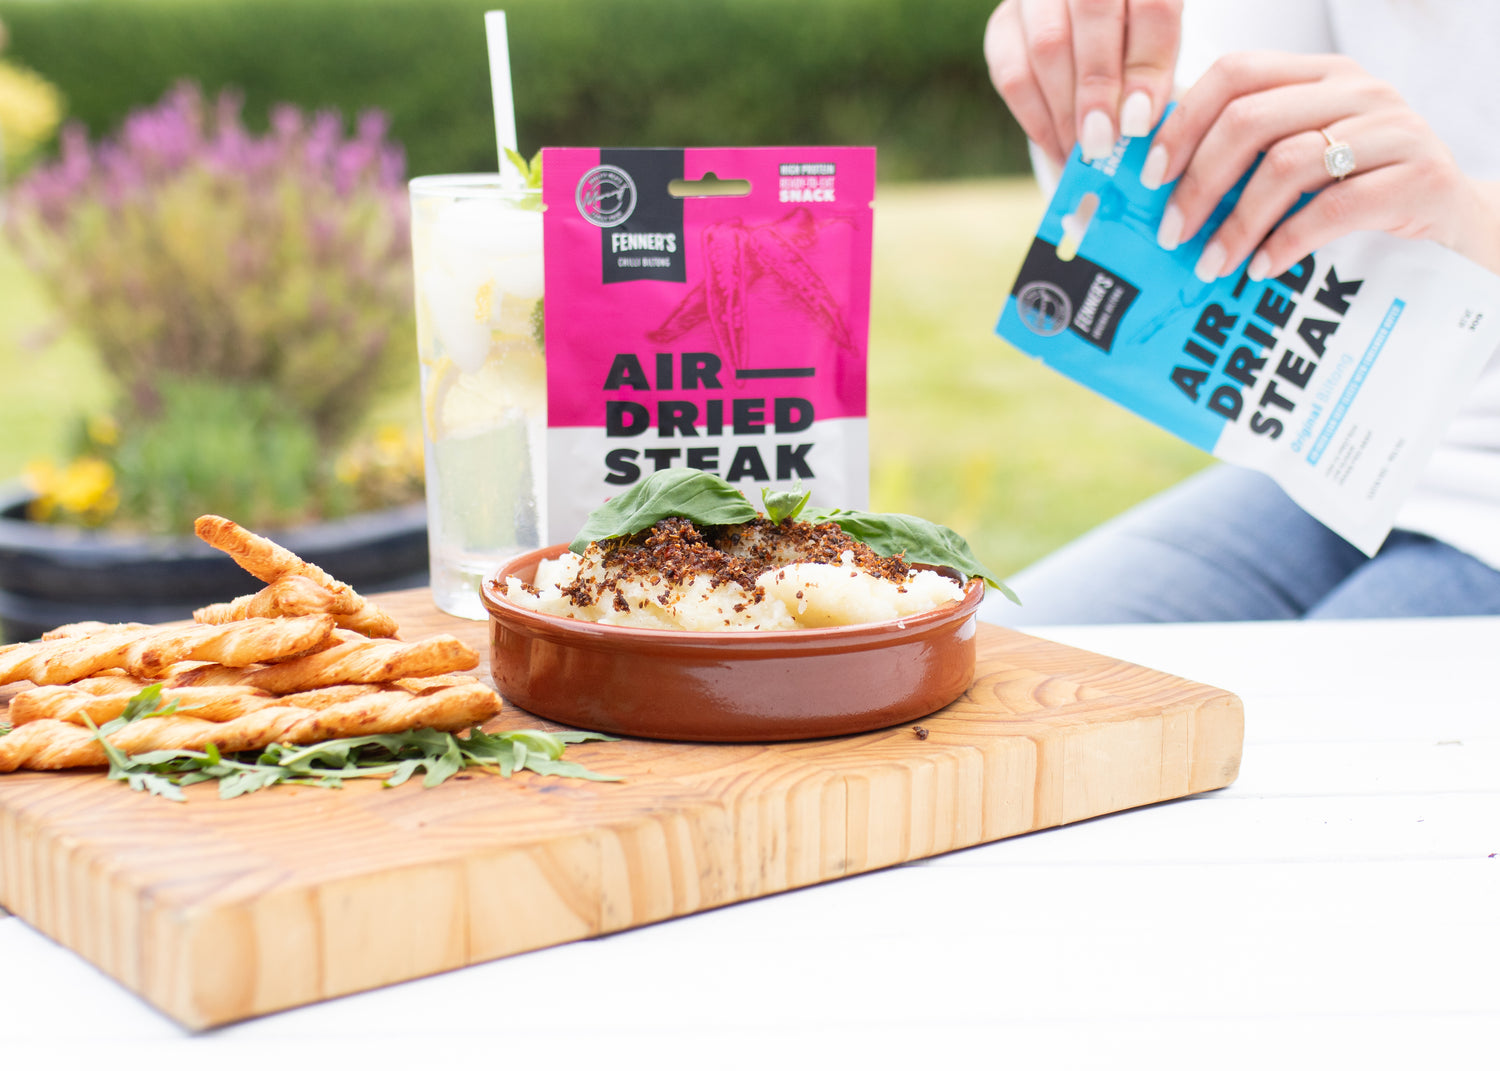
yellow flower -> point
(30, 109)
(393, 445)
(40, 477)
(103, 429)
(86, 485)
(84, 491)
(348, 470)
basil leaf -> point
(889, 534)
(784, 505)
(701, 497)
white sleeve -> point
(1210, 28)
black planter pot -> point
(51, 575)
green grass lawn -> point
(963, 429)
(49, 377)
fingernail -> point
(1155, 168)
(1260, 267)
(1170, 232)
(1211, 263)
(1135, 115)
(1098, 139)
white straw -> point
(505, 105)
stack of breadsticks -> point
(304, 659)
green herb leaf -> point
(147, 703)
(538, 742)
(555, 768)
(539, 325)
(239, 782)
(784, 505)
(531, 175)
(889, 534)
(392, 757)
(155, 784)
(701, 497)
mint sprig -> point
(531, 176)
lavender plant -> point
(191, 250)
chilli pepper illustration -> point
(736, 258)
(781, 260)
(724, 287)
(692, 310)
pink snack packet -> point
(723, 331)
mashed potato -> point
(754, 576)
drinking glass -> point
(477, 260)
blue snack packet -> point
(1335, 378)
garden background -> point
(964, 430)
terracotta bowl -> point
(727, 686)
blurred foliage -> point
(233, 449)
(246, 293)
(906, 76)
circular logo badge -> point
(1044, 308)
(606, 196)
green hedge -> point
(904, 75)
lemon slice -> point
(510, 383)
(438, 381)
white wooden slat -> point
(1217, 828)
(1397, 767)
(942, 946)
(1303, 658)
(1402, 711)
(1062, 1043)
(1335, 907)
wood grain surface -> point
(217, 911)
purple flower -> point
(186, 245)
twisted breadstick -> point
(50, 744)
(365, 661)
(208, 703)
(150, 651)
(269, 561)
(67, 658)
(287, 596)
(236, 643)
(73, 705)
(110, 682)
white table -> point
(1339, 907)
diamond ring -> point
(1338, 158)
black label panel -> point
(1077, 295)
(648, 242)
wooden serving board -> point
(220, 910)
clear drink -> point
(477, 258)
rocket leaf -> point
(391, 757)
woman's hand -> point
(1291, 108)
(1083, 71)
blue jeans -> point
(1229, 545)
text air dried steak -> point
(720, 325)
